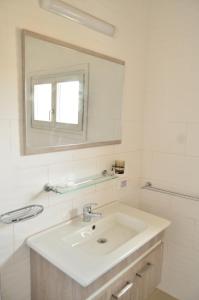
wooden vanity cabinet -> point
(139, 281)
(135, 278)
(149, 274)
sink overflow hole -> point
(102, 241)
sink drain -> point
(102, 241)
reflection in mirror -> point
(72, 96)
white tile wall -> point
(160, 107)
(181, 263)
(170, 157)
(168, 137)
(192, 143)
(180, 276)
(23, 177)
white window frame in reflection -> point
(79, 76)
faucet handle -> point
(89, 205)
(88, 214)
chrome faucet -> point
(88, 214)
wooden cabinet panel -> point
(123, 289)
(149, 275)
(134, 283)
(144, 276)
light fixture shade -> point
(66, 10)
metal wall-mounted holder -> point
(149, 186)
(21, 214)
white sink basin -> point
(106, 236)
(85, 251)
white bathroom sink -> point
(106, 236)
(85, 251)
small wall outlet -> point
(123, 183)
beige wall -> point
(171, 137)
(22, 178)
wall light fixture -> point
(72, 13)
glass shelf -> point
(79, 184)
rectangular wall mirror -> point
(72, 96)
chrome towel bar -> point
(150, 187)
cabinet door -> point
(127, 292)
(122, 289)
(149, 274)
(138, 282)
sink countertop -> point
(58, 246)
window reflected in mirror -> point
(58, 101)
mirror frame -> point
(27, 150)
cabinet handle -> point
(144, 270)
(123, 291)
